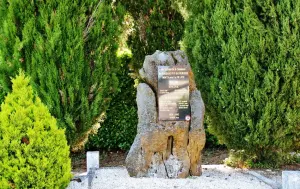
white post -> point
(92, 160)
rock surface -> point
(166, 149)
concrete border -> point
(266, 180)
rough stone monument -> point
(170, 132)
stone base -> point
(290, 179)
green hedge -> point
(33, 151)
(246, 60)
(211, 140)
(119, 128)
(69, 50)
(158, 26)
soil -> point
(117, 159)
(295, 166)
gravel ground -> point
(214, 176)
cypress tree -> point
(69, 50)
(245, 55)
(119, 128)
(158, 26)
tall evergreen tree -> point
(245, 55)
(69, 50)
(158, 26)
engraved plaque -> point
(173, 93)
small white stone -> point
(92, 160)
(290, 179)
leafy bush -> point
(158, 26)
(33, 151)
(69, 50)
(211, 140)
(119, 128)
(246, 60)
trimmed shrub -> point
(69, 50)
(246, 60)
(33, 151)
(119, 128)
(158, 26)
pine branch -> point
(91, 22)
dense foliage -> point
(158, 26)
(119, 128)
(33, 151)
(246, 58)
(69, 50)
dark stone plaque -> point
(173, 93)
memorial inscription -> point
(173, 93)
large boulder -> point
(166, 149)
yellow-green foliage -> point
(33, 151)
